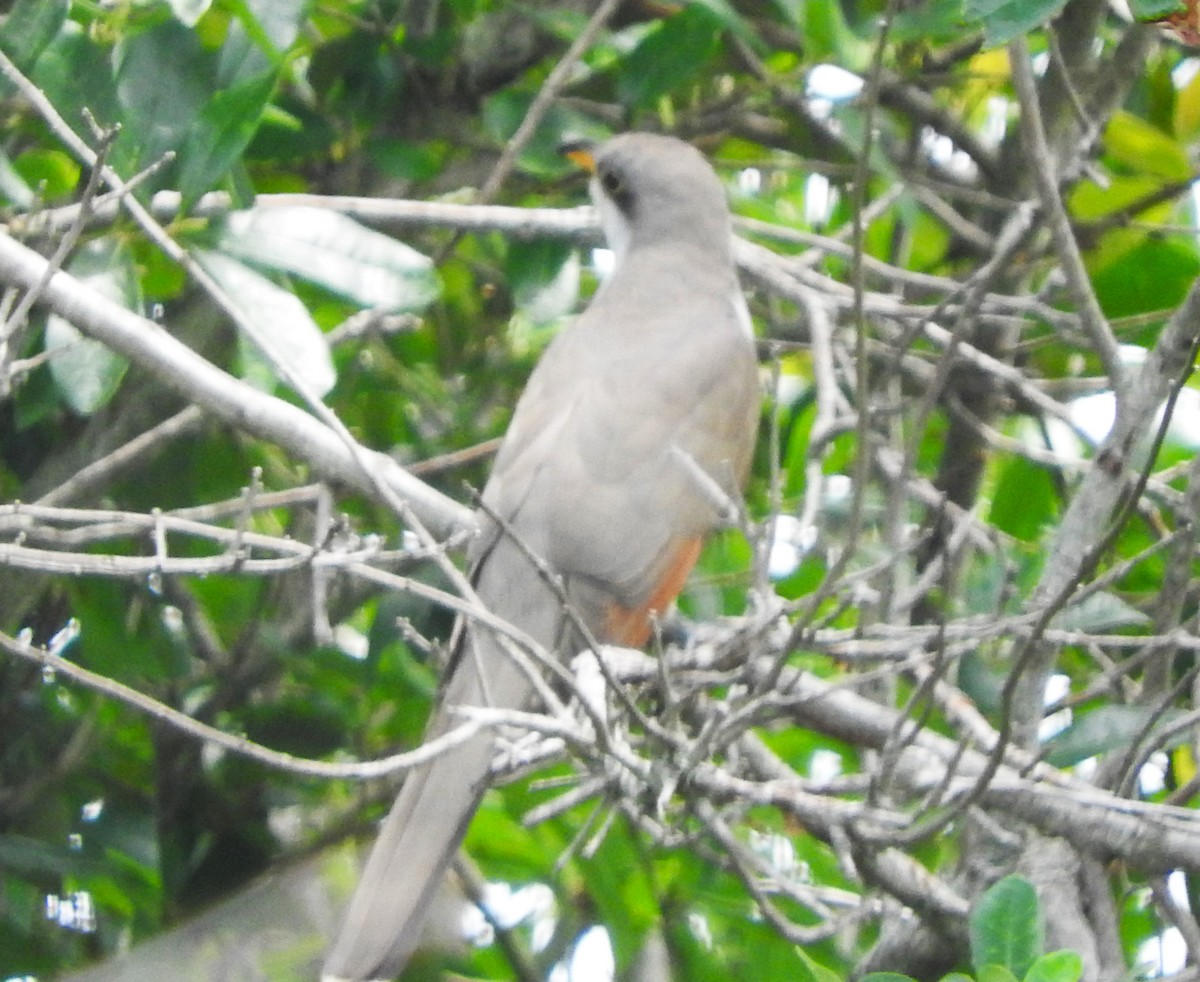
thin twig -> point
(236, 744)
(1045, 171)
(547, 92)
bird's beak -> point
(580, 152)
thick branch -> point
(149, 346)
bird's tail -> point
(424, 828)
(430, 817)
(427, 823)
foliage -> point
(971, 258)
(1006, 940)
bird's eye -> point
(611, 183)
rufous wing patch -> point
(631, 626)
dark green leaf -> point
(75, 73)
(28, 855)
(29, 27)
(302, 724)
(1155, 9)
(165, 79)
(545, 281)
(289, 131)
(1004, 20)
(220, 134)
(982, 680)
(673, 54)
(407, 160)
(1101, 730)
(1099, 613)
(731, 20)
(929, 22)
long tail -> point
(424, 828)
(430, 817)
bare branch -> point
(235, 744)
(1044, 170)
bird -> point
(633, 436)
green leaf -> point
(1057, 966)
(1145, 149)
(513, 851)
(1098, 613)
(621, 893)
(1104, 729)
(74, 73)
(164, 80)
(982, 681)
(503, 112)
(822, 24)
(544, 277)
(1006, 927)
(1186, 121)
(814, 971)
(731, 20)
(1155, 273)
(995, 973)
(1004, 20)
(407, 160)
(289, 131)
(673, 54)
(1089, 200)
(87, 372)
(334, 251)
(1155, 9)
(280, 325)
(258, 37)
(30, 27)
(886, 977)
(930, 22)
(220, 134)
(19, 853)
(1024, 501)
(53, 172)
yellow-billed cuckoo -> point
(634, 412)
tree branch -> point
(239, 404)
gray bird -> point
(601, 476)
